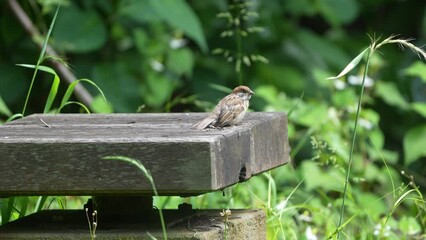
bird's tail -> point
(203, 123)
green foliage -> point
(79, 31)
(238, 18)
(152, 56)
(414, 144)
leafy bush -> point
(147, 57)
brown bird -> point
(229, 111)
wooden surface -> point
(192, 225)
(62, 154)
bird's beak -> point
(251, 92)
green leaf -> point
(179, 14)
(119, 84)
(99, 105)
(160, 89)
(351, 65)
(344, 98)
(338, 12)
(181, 62)
(4, 109)
(54, 87)
(141, 40)
(139, 11)
(409, 226)
(389, 92)
(417, 69)
(369, 201)
(71, 87)
(414, 144)
(316, 178)
(419, 108)
(79, 31)
(318, 50)
(312, 114)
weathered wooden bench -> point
(63, 155)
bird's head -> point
(243, 92)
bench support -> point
(198, 224)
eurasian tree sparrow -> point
(229, 111)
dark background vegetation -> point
(156, 56)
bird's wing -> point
(230, 111)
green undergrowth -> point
(339, 185)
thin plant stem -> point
(358, 110)
(40, 59)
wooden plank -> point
(62, 154)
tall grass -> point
(8, 206)
(368, 52)
(148, 175)
(56, 80)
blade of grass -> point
(71, 88)
(4, 109)
(351, 65)
(54, 87)
(40, 59)
(354, 134)
(77, 103)
(14, 116)
(40, 203)
(7, 209)
(148, 175)
(24, 206)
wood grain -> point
(62, 154)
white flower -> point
(339, 84)
(378, 228)
(357, 80)
(309, 234)
(157, 66)
(280, 206)
(176, 43)
(365, 124)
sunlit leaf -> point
(181, 61)
(417, 69)
(409, 226)
(351, 65)
(99, 105)
(419, 108)
(414, 144)
(179, 14)
(389, 92)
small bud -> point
(237, 22)
(246, 61)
